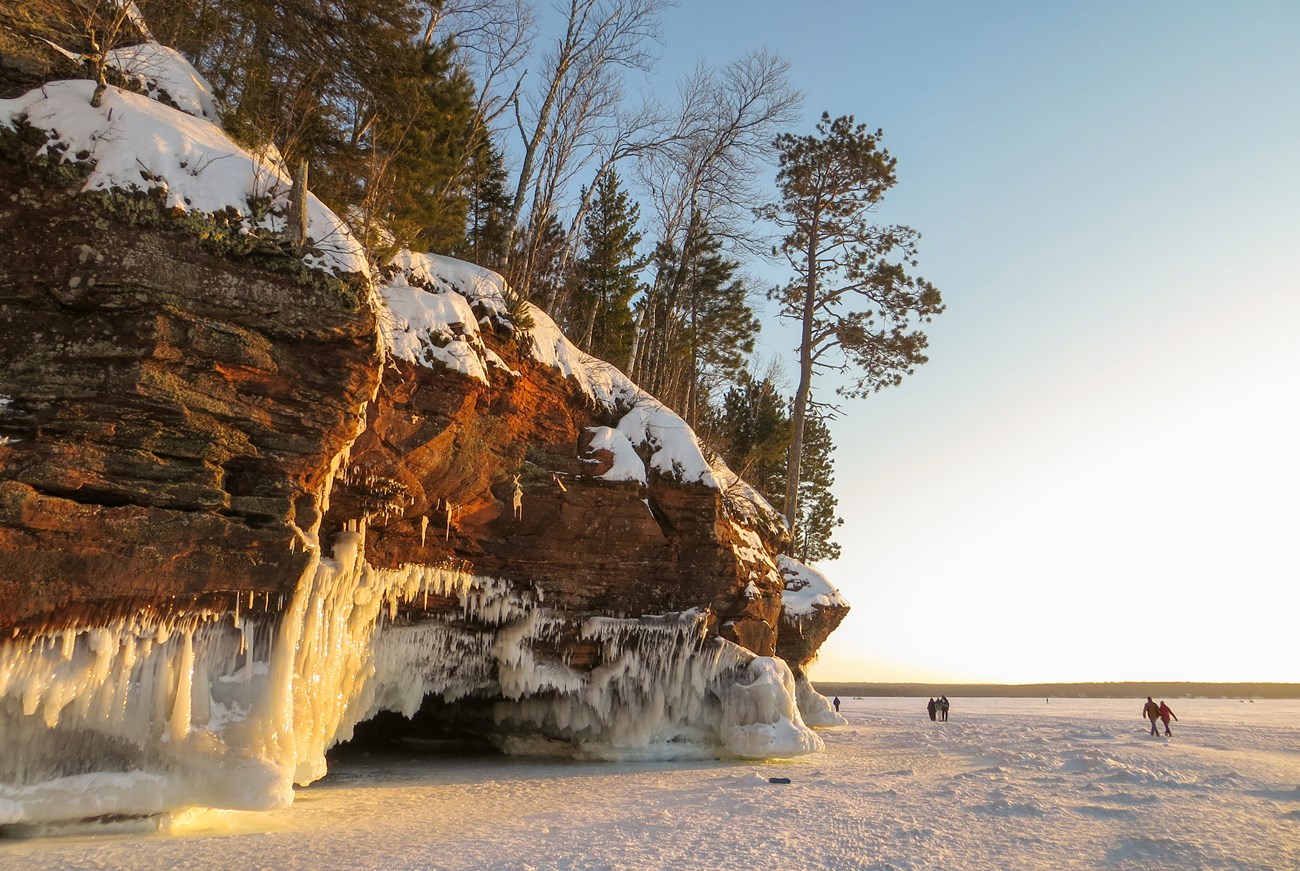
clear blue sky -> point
(1095, 477)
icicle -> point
(247, 650)
(179, 722)
(424, 527)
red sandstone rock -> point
(174, 410)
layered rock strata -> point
(252, 496)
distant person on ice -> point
(1152, 712)
(943, 708)
(931, 708)
(836, 703)
(1165, 714)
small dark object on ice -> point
(778, 780)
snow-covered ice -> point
(1074, 784)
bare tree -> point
(587, 104)
(494, 35)
(105, 23)
(701, 180)
(492, 38)
(630, 136)
(600, 36)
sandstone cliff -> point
(251, 497)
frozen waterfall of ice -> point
(156, 712)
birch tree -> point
(600, 36)
(700, 182)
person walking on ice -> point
(1165, 714)
(1152, 712)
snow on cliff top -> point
(160, 68)
(806, 589)
(435, 304)
(627, 465)
(432, 300)
(134, 143)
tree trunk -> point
(575, 226)
(644, 323)
(800, 413)
(563, 61)
(589, 328)
(97, 62)
(298, 207)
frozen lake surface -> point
(1005, 784)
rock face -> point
(167, 414)
(248, 502)
(591, 545)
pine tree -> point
(608, 273)
(751, 429)
(411, 166)
(817, 519)
(721, 325)
(383, 117)
(489, 210)
(698, 328)
(852, 295)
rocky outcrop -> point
(252, 497)
(167, 413)
(811, 610)
(437, 439)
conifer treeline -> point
(405, 110)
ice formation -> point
(140, 715)
(665, 690)
(761, 714)
(815, 708)
(155, 712)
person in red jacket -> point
(1165, 714)
(1152, 712)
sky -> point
(1095, 475)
